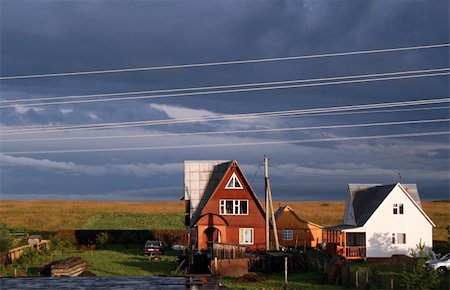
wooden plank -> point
(71, 266)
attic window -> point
(397, 208)
(234, 183)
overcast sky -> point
(39, 37)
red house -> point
(221, 206)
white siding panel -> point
(196, 178)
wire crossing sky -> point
(233, 62)
(237, 90)
(226, 117)
(221, 87)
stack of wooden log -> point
(68, 267)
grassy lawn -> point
(308, 280)
(111, 261)
(126, 262)
(380, 275)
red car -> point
(153, 247)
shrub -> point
(27, 259)
(418, 276)
(101, 239)
(6, 239)
(61, 242)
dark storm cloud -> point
(60, 36)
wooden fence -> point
(15, 253)
(228, 251)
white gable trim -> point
(416, 205)
(233, 179)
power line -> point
(224, 117)
(220, 63)
(247, 131)
(224, 86)
(198, 146)
(232, 90)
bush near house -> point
(6, 239)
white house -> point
(380, 221)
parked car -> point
(441, 265)
(154, 247)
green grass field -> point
(133, 221)
(72, 215)
(114, 260)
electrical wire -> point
(247, 131)
(224, 86)
(223, 117)
(230, 90)
(198, 146)
(220, 63)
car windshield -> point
(152, 244)
(446, 257)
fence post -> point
(215, 265)
(392, 283)
(285, 272)
(367, 279)
(356, 279)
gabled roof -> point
(286, 207)
(410, 188)
(218, 174)
(366, 199)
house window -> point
(397, 208)
(234, 183)
(401, 238)
(233, 206)
(246, 236)
(288, 235)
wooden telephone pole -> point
(269, 209)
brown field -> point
(70, 215)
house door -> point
(212, 235)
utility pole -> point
(269, 207)
(266, 179)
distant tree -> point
(418, 276)
(6, 239)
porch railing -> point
(355, 252)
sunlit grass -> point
(72, 215)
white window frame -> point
(243, 234)
(401, 241)
(235, 179)
(397, 240)
(236, 206)
(288, 235)
(398, 208)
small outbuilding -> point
(295, 232)
(34, 240)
